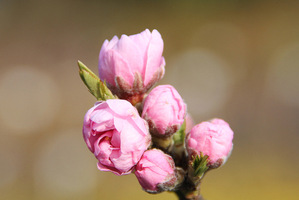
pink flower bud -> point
(212, 138)
(116, 134)
(156, 171)
(132, 64)
(164, 110)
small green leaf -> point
(105, 92)
(94, 84)
(200, 165)
(196, 162)
(179, 136)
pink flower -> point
(164, 110)
(132, 64)
(213, 138)
(116, 134)
(156, 171)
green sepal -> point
(200, 165)
(94, 84)
(105, 92)
(179, 136)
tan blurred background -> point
(238, 60)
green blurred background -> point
(238, 60)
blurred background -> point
(237, 60)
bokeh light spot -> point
(64, 166)
(283, 73)
(29, 100)
(10, 166)
(202, 78)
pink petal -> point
(154, 61)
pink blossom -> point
(132, 64)
(164, 110)
(156, 171)
(212, 138)
(116, 134)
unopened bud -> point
(164, 110)
(132, 64)
(156, 172)
(213, 139)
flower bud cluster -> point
(130, 129)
